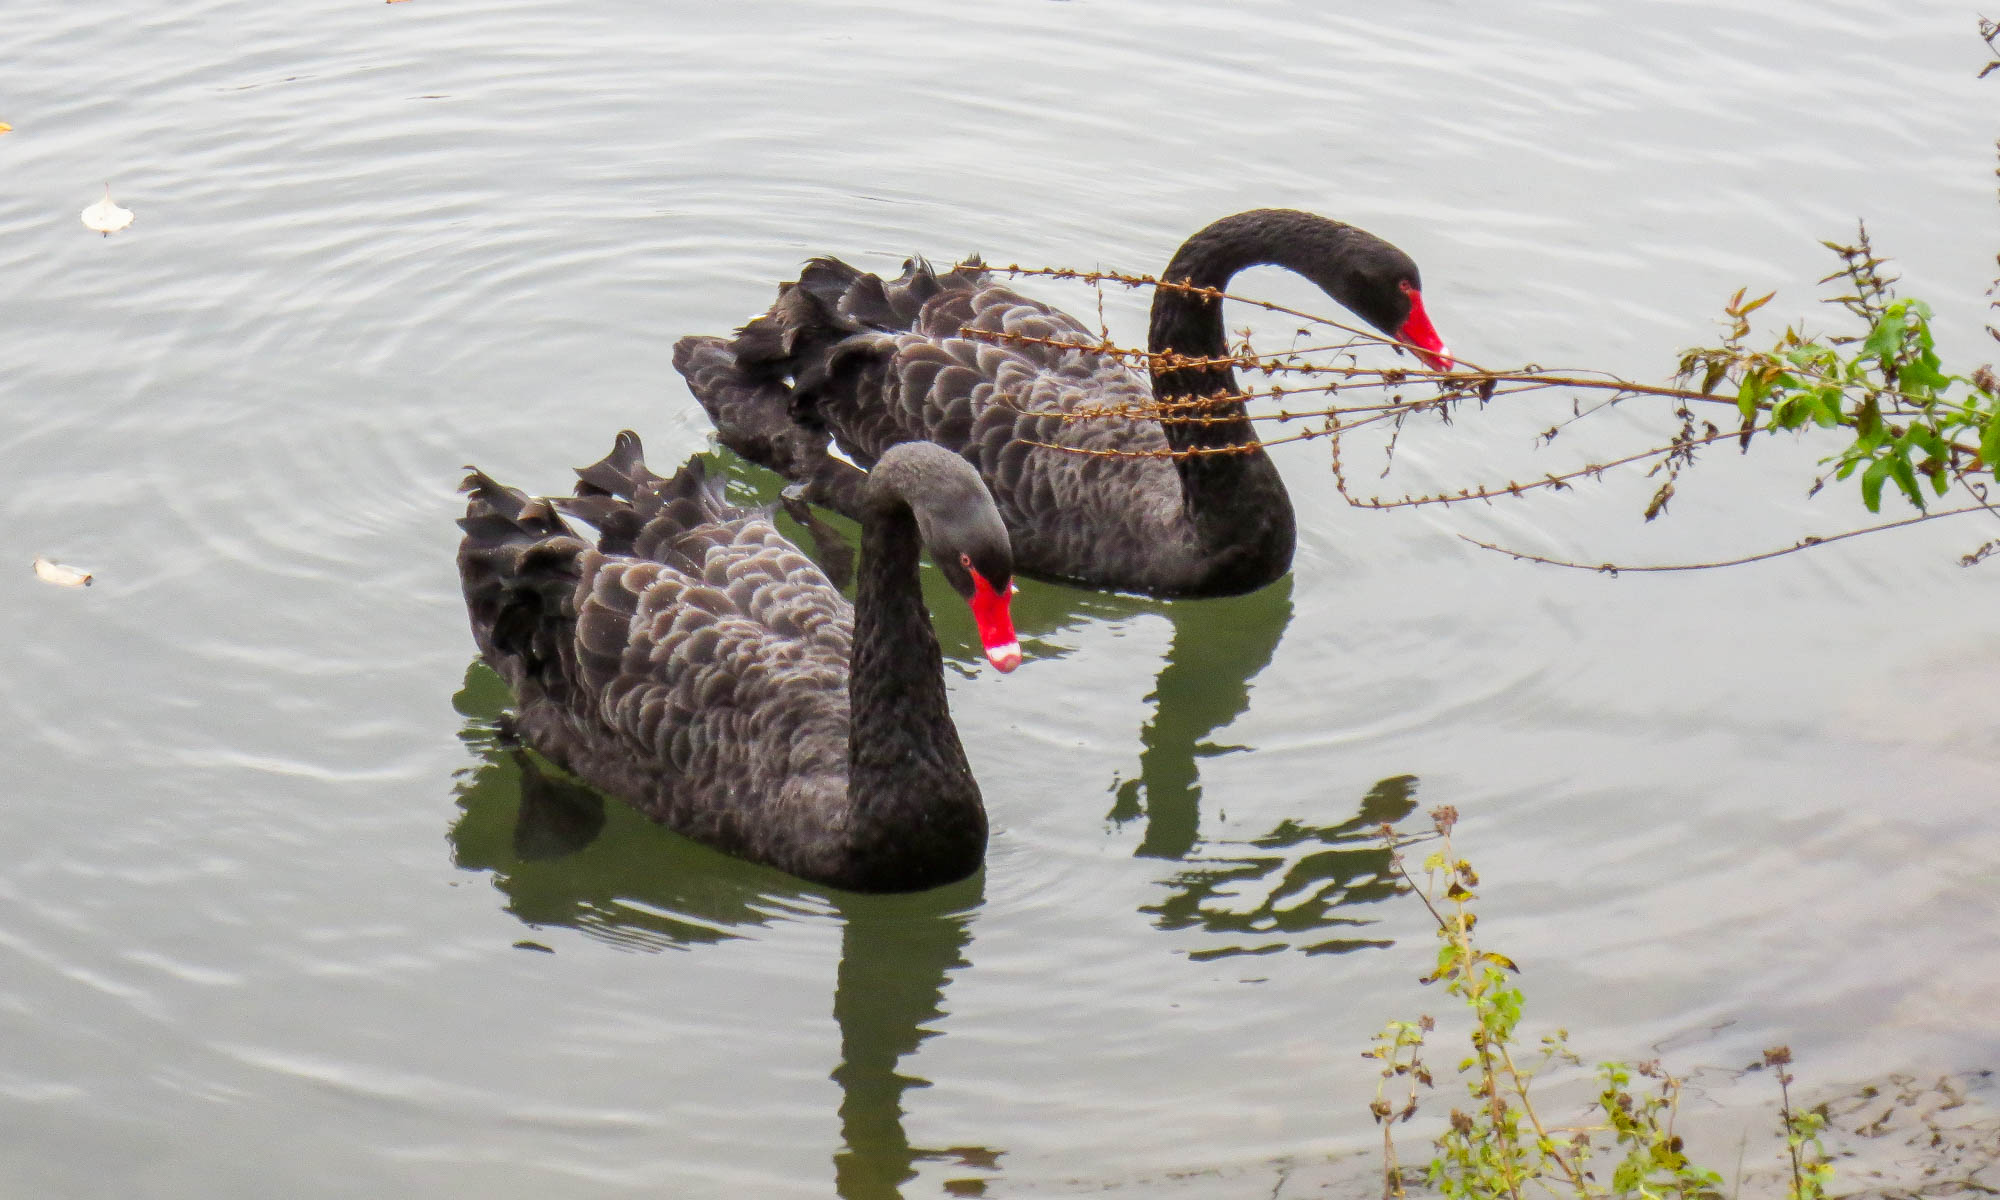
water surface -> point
(277, 916)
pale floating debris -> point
(60, 575)
(105, 217)
(5, 127)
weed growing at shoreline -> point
(1501, 1145)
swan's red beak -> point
(991, 611)
(1418, 332)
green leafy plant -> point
(1811, 1172)
(1910, 422)
(1501, 1145)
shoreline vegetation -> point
(1901, 1135)
(1933, 1136)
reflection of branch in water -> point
(564, 856)
(896, 955)
(1219, 646)
(1276, 892)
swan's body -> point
(960, 359)
(696, 664)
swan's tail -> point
(525, 571)
(518, 566)
(755, 415)
(759, 386)
(832, 302)
(639, 513)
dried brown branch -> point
(1515, 489)
(1807, 543)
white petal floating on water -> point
(60, 575)
(105, 217)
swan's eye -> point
(1403, 286)
(965, 560)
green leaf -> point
(1926, 439)
(1922, 374)
(1886, 338)
(1871, 484)
(1868, 426)
(1905, 476)
(1750, 396)
(1716, 369)
(1989, 442)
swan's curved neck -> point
(914, 808)
(1188, 324)
(1233, 490)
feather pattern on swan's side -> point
(696, 663)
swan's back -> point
(972, 365)
(692, 661)
(962, 360)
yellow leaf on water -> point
(60, 575)
(105, 217)
(5, 127)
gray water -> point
(272, 922)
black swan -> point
(871, 364)
(695, 663)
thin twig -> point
(1806, 544)
(1397, 862)
(1515, 489)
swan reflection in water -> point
(1282, 890)
(1288, 888)
(1219, 647)
(563, 856)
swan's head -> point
(1381, 285)
(971, 548)
(991, 598)
(963, 532)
